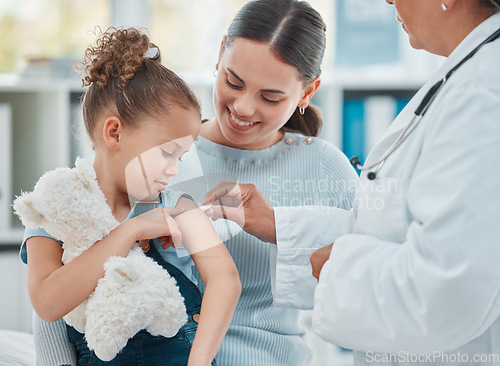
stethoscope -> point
(418, 114)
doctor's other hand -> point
(245, 205)
(319, 258)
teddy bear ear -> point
(84, 170)
(23, 207)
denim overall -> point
(144, 349)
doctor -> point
(418, 280)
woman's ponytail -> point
(308, 124)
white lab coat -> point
(420, 274)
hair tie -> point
(152, 53)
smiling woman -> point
(263, 135)
(254, 91)
(265, 82)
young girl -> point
(141, 118)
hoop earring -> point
(444, 7)
(302, 110)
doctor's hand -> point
(319, 258)
(245, 205)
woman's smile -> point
(255, 94)
(238, 123)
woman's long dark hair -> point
(296, 34)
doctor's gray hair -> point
(295, 32)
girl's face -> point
(152, 150)
(255, 94)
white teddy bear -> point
(135, 293)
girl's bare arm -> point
(218, 272)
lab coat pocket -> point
(380, 209)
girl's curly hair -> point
(122, 79)
(117, 53)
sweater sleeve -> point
(302, 230)
(51, 343)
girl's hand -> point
(245, 205)
(158, 223)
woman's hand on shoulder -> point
(245, 205)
